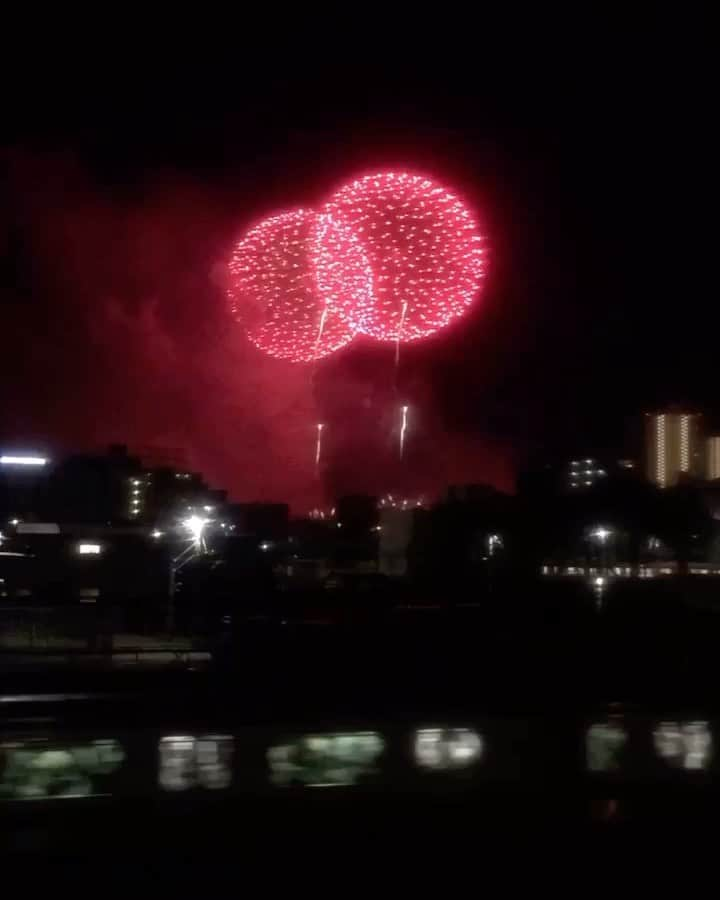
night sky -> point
(585, 149)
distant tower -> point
(673, 447)
(713, 458)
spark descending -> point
(318, 447)
(403, 429)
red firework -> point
(425, 250)
(288, 276)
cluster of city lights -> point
(391, 501)
(393, 256)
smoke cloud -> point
(116, 329)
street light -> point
(602, 535)
(89, 549)
(9, 460)
(195, 525)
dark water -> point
(537, 707)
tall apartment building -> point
(673, 447)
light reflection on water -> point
(685, 745)
(329, 759)
(604, 743)
(40, 769)
(188, 762)
(443, 749)
(48, 768)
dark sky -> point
(586, 146)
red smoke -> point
(115, 328)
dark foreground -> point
(442, 729)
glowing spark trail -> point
(318, 447)
(403, 429)
(323, 317)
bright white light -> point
(14, 522)
(266, 545)
(687, 745)
(156, 534)
(494, 541)
(195, 526)
(447, 748)
(602, 534)
(89, 549)
(208, 508)
(23, 460)
(599, 582)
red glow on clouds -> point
(133, 285)
(425, 250)
(289, 275)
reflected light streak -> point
(686, 745)
(444, 749)
(188, 762)
(331, 759)
(604, 743)
(42, 770)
